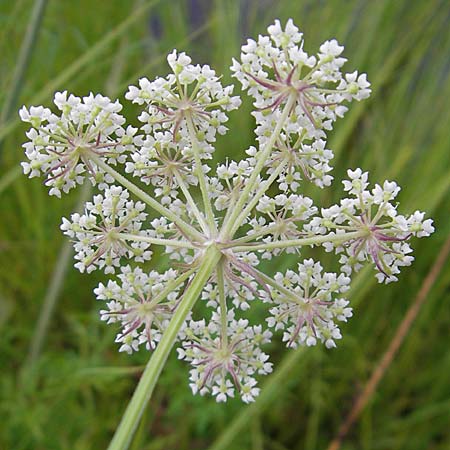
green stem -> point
(261, 191)
(262, 158)
(315, 240)
(185, 227)
(190, 200)
(251, 237)
(223, 304)
(143, 392)
(172, 285)
(155, 241)
(200, 175)
(271, 282)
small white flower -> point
(306, 307)
(278, 69)
(191, 93)
(62, 147)
(223, 365)
(138, 306)
(102, 235)
(383, 232)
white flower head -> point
(382, 234)
(140, 305)
(66, 147)
(223, 366)
(306, 307)
(109, 229)
(216, 224)
(191, 97)
(278, 70)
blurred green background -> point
(63, 385)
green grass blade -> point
(23, 59)
(81, 62)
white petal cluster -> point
(308, 307)
(384, 234)
(137, 305)
(281, 219)
(223, 366)
(98, 233)
(192, 91)
(162, 163)
(307, 162)
(275, 68)
(241, 212)
(61, 146)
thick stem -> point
(143, 392)
(250, 186)
(182, 225)
(315, 240)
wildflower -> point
(217, 224)
(305, 307)
(141, 306)
(276, 68)
(383, 233)
(190, 93)
(61, 147)
(162, 163)
(223, 365)
(103, 233)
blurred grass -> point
(75, 393)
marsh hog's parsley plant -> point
(218, 223)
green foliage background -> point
(65, 386)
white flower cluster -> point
(163, 164)
(223, 364)
(306, 307)
(276, 67)
(61, 146)
(140, 304)
(189, 93)
(383, 232)
(217, 223)
(101, 235)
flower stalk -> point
(139, 400)
(316, 240)
(230, 224)
(187, 229)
